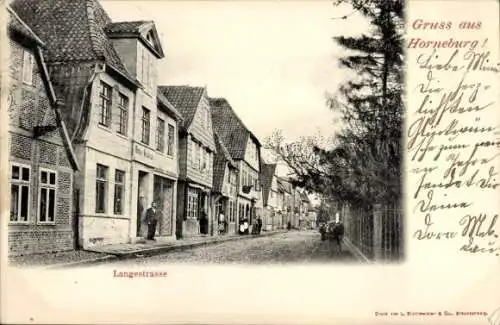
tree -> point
(364, 165)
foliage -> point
(364, 164)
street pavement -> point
(290, 247)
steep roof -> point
(139, 29)
(230, 128)
(185, 98)
(304, 197)
(73, 31)
(167, 106)
(17, 25)
(221, 158)
(266, 179)
(133, 27)
(284, 185)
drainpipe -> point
(131, 173)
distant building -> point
(41, 159)
(196, 161)
(270, 196)
(244, 148)
(225, 188)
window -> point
(145, 125)
(105, 103)
(20, 193)
(119, 191)
(203, 154)
(171, 140)
(101, 188)
(197, 150)
(123, 107)
(160, 135)
(27, 67)
(47, 196)
(191, 148)
(192, 208)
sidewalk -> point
(108, 253)
(123, 251)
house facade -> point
(104, 71)
(154, 133)
(225, 189)
(244, 148)
(41, 159)
(270, 196)
(196, 160)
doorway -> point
(162, 195)
(142, 204)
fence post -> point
(377, 232)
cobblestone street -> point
(294, 247)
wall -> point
(193, 171)
(106, 138)
(201, 132)
(127, 51)
(29, 107)
(103, 228)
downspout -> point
(97, 70)
(131, 184)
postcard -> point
(250, 162)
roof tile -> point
(185, 99)
(230, 128)
(73, 30)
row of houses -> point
(94, 139)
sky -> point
(274, 61)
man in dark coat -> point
(152, 220)
(338, 234)
(259, 224)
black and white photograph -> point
(249, 162)
(146, 132)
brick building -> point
(41, 159)
(244, 148)
(196, 155)
(125, 138)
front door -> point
(142, 204)
(162, 194)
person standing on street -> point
(259, 224)
(152, 220)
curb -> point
(155, 251)
(356, 252)
(82, 263)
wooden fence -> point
(377, 231)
